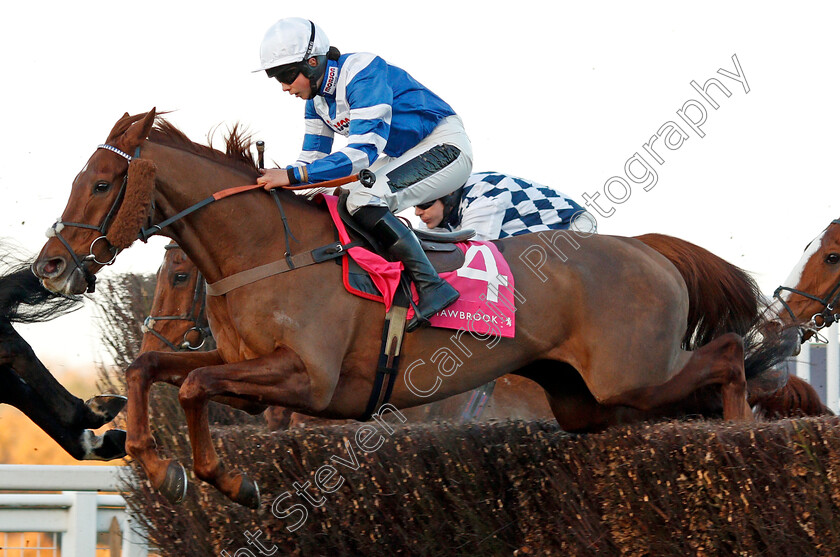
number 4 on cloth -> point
(491, 275)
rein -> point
(366, 177)
(820, 320)
(290, 262)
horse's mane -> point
(22, 297)
(237, 153)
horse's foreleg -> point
(70, 411)
(80, 443)
(151, 367)
(720, 362)
(279, 378)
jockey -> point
(406, 135)
(497, 205)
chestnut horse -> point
(28, 385)
(812, 291)
(601, 321)
(177, 322)
(808, 300)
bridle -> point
(196, 315)
(59, 225)
(820, 320)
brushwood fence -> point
(516, 488)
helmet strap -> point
(314, 74)
(311, 44)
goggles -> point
(286, 73)
(425, 206)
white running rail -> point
(819, 365)
(76, 513)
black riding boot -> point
(401, 244)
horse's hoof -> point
(108, 446)
(249, 493)
(174, 486)
(113, 445)
(106, 408)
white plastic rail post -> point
(803, 363)
(80, 538)
(832, 371)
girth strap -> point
(393, 332)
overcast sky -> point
(560, 93)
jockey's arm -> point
(370, 99)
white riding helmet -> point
(292, 39)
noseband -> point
(196, 315)
(59, 225)
(820, 320)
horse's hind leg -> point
(571, 402)
(720, 362)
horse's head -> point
(811, 293)
(177, 320)
(109, 203)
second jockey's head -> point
(438, 212)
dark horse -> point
(603, 323)
(28, 386)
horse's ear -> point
(136, 205)
(115, 131)
(138, 132)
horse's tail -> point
(722, 299)
(796, 399)
(23, 299)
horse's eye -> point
(181, 277)
(832, 258)
(101, 187)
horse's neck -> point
(237, 232)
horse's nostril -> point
(53, 267)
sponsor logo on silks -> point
(340, 125)
(330, 80)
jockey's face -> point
(300, 87)
(432, 216)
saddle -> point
(440, 247)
